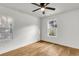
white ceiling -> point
(28, 7)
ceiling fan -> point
(42, 7)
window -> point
(6, 26)
(52, 27)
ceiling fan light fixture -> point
(42, 9)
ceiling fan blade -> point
(50, 8)
(43, 12)
(47, 4)
(36, 9)
(36, 4)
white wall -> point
(26, 30)
(67, 31)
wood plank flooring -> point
(43, 48)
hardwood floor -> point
(43, 48)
